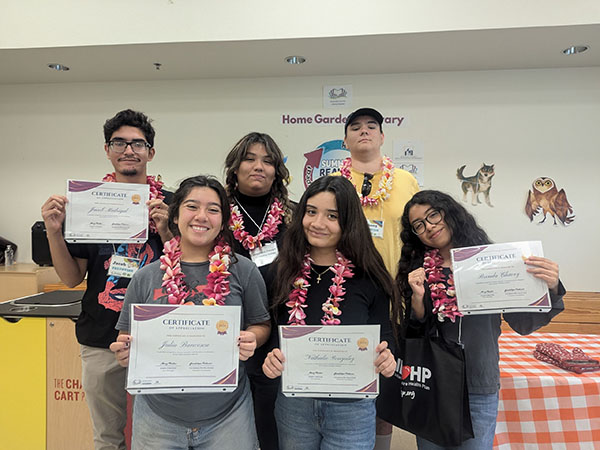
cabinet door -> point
(23, 384)
(68, 423)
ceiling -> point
(516, 48)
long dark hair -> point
(237, 154)
(355, 242)
(462, 225)
(184, 189)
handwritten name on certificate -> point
(183, 349)
(329, 361)
(494, 279)
(99, 212)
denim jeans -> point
(235, 431)
(484, 409)
(313, 424)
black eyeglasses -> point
(434, 217)
(137, 146)
(366, 186)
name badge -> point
(264, 255)
(376, 228)
(123, 266)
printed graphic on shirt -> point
(112, 297)
(195, 289)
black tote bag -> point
(427, 395)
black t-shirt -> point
(363, 303)
(103, 298)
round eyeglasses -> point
(434, 217)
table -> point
(542, 406)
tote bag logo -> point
(413, 375)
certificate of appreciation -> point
(99, 212)
(329, 361)
(183, 349)
(494, 279)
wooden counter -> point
(23, 279)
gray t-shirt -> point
(247, 289)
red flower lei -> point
(217, 286)
(385, 183)
(155, 191)
(443, 294)
(342, 269)
(268, 231)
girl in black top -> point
(256, 182)
(432, 224)
(328, 241)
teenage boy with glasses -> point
(129, 145)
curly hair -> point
(184, 189)
(355, 242)
(130, 118)
(462, 225)
(238, 153)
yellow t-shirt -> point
(390, 212)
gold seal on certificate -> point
(183, 349)
(329, 361)
(491, 279)
(98, 212)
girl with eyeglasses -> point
(432, 224)
(328, 241)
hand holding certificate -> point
(98, 212)
(329, 361)
(183, 349)
(495, 279)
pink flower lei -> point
(443, 294)
(342, 270)
(155, 191)
(385, 183)
(268, 231)
(217, 285)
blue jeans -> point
(234, 431)
(484, 409)
(313, 424)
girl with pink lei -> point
(328, 272)
(432, 224)
(198, 267)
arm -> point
(71, 270)
(546, 270)
(254, 336)
(416, 280)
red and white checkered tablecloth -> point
(543, 406)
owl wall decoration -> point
(547, 199)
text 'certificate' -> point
(106, 212)
(183, 349)
(329, 361)
(494, 279)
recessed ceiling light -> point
(295, 59)
(58, 66)
(574, 49)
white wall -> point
(64, 23)
(528, 123)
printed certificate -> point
(106, 212)
(493, 279)
(329, 361)
(183, 349)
